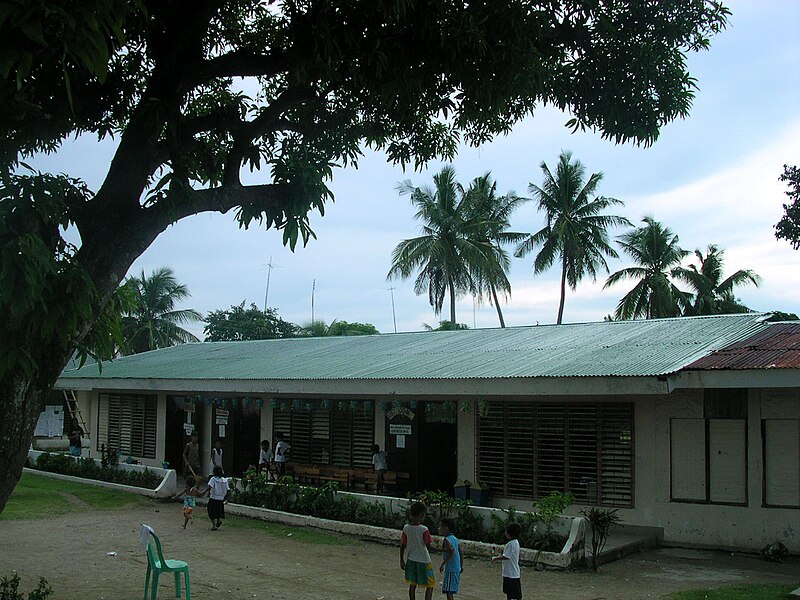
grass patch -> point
(306, 535)
(37, 496)
(739, 592)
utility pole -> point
(394, 318)
(313, 289)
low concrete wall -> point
(168, 486)
(571, 555)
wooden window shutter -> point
(363, 435)
(491, 448)
(616, 455)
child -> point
(418, 540)
(219, 496)
(216, 457)
(190, 493)
(191, 457)
(75, 440)
(512, 586)
(381, 466)
(281, 448)
(452, 562)
(265, 457)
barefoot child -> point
(265, 458)
(418, 540)
(190, 494)
(512, 586)
(220, 492)
(452, 562)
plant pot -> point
(479, 494)
(461, 490)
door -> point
(437, 464)
(183, 417)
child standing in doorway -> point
(281, 448)
(190, 494)
(191, 457)
(381, 465)
(452, 562)
(219, 494)
(216, 457)
(512, 584)
(418, 540)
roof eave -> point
(516, 386)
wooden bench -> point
(349, 478)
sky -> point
(712, 178)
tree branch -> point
(220, 199)
(240, 63)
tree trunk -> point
(21, 403)
(563, 289)
(497, 305)
(452, 290)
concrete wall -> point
(750, 526)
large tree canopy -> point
(788, 228)
(240, 323)
(322, 80)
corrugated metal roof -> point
(776, 347)
(618, 348)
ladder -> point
(74, 411)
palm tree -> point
(151, 320)
(712, 295)
(655, 250)
(452, 250)
(491, 215)
(575, 233)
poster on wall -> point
(400, 441)
(188, 428)
(222, 431)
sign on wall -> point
(400, 411)
(395, 429)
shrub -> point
(86, 468)
(601, 520)
(9, 589)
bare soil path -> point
(245, 562)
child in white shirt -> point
(512, 585)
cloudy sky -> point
(713, 178)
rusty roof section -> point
(776, 347)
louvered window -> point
(339, 435)
(127, 422)
(527, 450)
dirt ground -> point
(242, 563)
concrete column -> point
(466, 443)
(161, 426)
(266, 421)
(380, 425)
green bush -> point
(86, 468)
(9, 589)
(323, 502)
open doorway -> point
(183, 418)
(437, 463)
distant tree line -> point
(151, 321)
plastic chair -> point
(156, 564)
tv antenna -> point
(394, 318)
(270, 266)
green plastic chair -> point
(157, 564)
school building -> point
(688, 425)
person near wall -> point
(75, 440)
(191, 457)
(381, 465)
(216, 458)
(281, 448)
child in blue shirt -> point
(452, 562)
